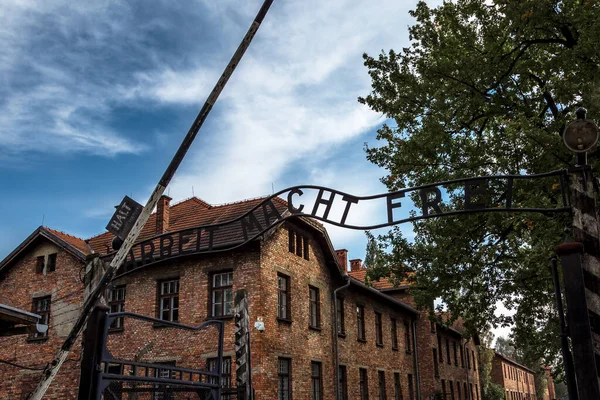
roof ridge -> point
(193, 198)
(63, 232)
(241, 201)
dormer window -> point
(298, 244)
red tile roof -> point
(74, 241)
(380, 284)
(191, 213)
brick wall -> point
(18, 287)
(518, 382)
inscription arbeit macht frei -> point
(486, 194)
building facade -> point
(326, 333)
(516, 379)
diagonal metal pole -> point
(52, 369)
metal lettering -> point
(326, 203)
(428, 203)
(251, 223)
(185, 237)
(473, 188)
(273, 213)
(349, 201)
(168, 248)
(147, 258)
(391, 205)
(291, 207)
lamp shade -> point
(580, 135)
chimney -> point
(355, 265)
(342, 255)
(162, 214)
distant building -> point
(377, 345)
(516, 379)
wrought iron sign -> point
(476, 195)
(124, 217)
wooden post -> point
(580, 260)
(53, 368)
(93, 344)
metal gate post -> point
(93, 344)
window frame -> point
(286, 295)
(360, 323)
(397, 386)
(363, 383)
(45, 315)
(160, 296)
(394, 333)
(226, 374)
(407, 337)
(342, 382)
(221, 289)
(436, 364)
(316, 381)
(157, 373)
(314, 308)
(40, 264)
(119, 303)
(281, 376)
(382, 392)
(448, 352)
(411, 388)
(378, 329)
(51, 262)
(455, 353)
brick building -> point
(377, 345)
(516, 379)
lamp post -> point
(580, 259)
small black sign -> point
(123, 219)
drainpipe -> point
(335, 335)
(416, 358)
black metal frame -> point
(96, 359)
(249, 225)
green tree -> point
(485, 88)
(485, 354)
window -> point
(316, 378)
(474, 362)
(39, 265)
(455, 354)
(466, 392)
(315, 307)
(283, 297)
(341, 326)
(342, 383)
(164, 392)
(51, 263)
(472, 394)
(168, 300)
(458, 390)
(360, 322)
(462, 357)
(382, 392)
(394, 328)
(448, 351)
(397, 386)
(378, 330)
(116, 303)
(451, 385)
(407, 336)
(41, 306)
(411, 391)
(444, 389)
(298, 244)
(439, 339)
(284, 387)
(211, 365)
(436, 365)
(222, 297)
(363, 383)
(476, 391)
(292, 241)
(468, 358)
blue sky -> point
(96, 97)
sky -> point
(95, 98)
